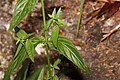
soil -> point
(102, 58)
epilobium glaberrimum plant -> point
(27, 43)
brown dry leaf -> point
(108, 9)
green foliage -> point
(25, 49)
(37, 39)
(66, 48)
(27, 43)
(55, 65)
(21, 75)
(57, 17)
(21, 34)
(55, 34)
(30, 49)
(16, 62)
(53, 68)
(18, 49)
(38, 74)
(22, 8)
(59, 14)
(55, 77)
(49, 24)
(54, 14)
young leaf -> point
(54, 35)
(41, 75)
(18, 50)
(55, 77)
(37, 39)
(60, 22)
(59, 14)
(21, 34)
(15, 63)
(54, 13)
(66, 48)
(29, 35)
(49, 23)
(22, 8)
(38, 75)
(21, 75)
(55, 65)
(30, 49)
(50, 15)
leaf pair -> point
(57, 17)
(67, 49)
(27, 43)
(55, 14)
(22, 36)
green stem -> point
(79, 18)
(48, 59)
(46, 39)
(43, 12)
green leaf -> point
(55, 77)
(55, 65)
(30, 49)
(66, 48)
(49, 23)
(54, 13)
(41, 75)
(21, 34)
(55, 34)
(29, 35)
(50, 15)
(18, 50)
(59, 14)
(37, 39)
(21, 75)
(38, 75)
(60, 22)
(22, 8)
(16, 62)
(57, 62)
(47, 76)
